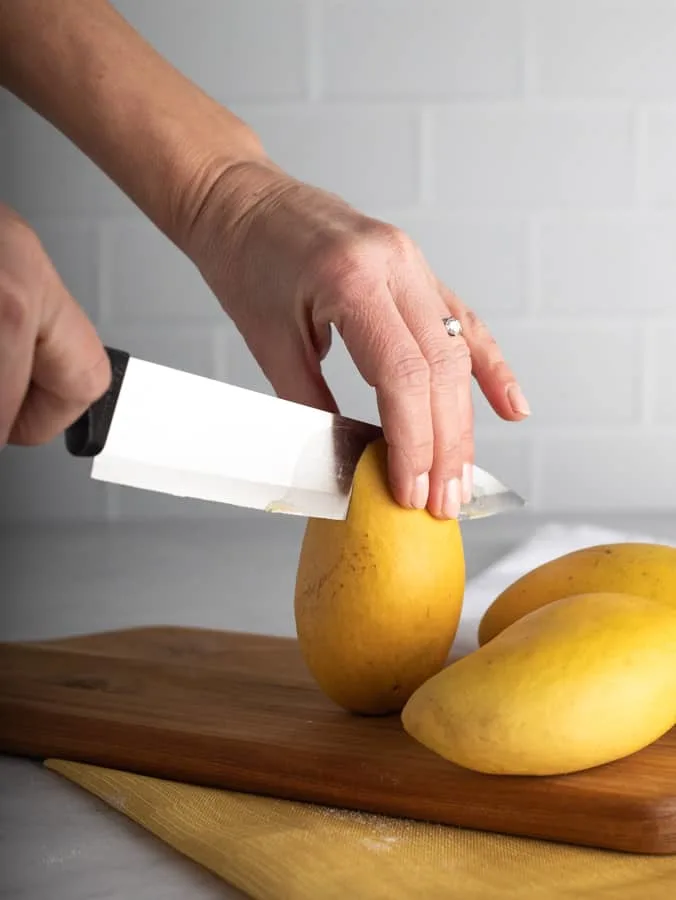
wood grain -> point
(240, 711)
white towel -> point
(548, 542)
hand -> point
(52, 363)
(288, 260)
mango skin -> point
(378, 596)
(578, 683)
(645, 570)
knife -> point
(161, 429)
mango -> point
(378, 596)
(578, 683)
(646, 570)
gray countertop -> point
(59, 843)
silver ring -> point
(452, 326)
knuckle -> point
(398, 243)
(339, 254)
(94, 382)
(409, 373)
(19, 238)
(343, 267)
(449, 362)
(14, 307)
(461, 356)
(467, 443)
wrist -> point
(219, 201)
(207, 157)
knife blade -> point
(161, 429)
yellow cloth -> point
(278, 850)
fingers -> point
(70, 370)
(449, 365)
(395, 335)
(52, 363)
(495, 378)
(422, 380)
(389, 358)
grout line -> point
(534, 272)
(466, 103)
(529, 79)
(636, 141)
(646, 377)
(639, 140)
(548, 431)
(426, 174)
(314, 50)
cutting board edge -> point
(647, 833)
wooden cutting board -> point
(240, 711)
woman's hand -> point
(52, 363)
(288, 260)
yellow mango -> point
(578, 683)
(645, 570)
(378, 596)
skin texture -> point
(379, 596)
(45, 385)
(287, 261)
(647, 570)
(578, 683)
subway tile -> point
(50, 176)
(621, 472)
(368, 155)
(533, 158)
(572, 373)
(148, 279)
(662, 373)
(657, 171)
(485, 262)
(604, 48)
(233, 50)
(607, 266)
(429, 49)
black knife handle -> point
(87, 435)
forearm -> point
(80, 65)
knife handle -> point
(87, 435)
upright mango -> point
(646, 570)
(378, 596)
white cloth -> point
(548, 542)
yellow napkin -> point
(278, 850)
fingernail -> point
(467, 482)
(517, 400)
(421, 491)
(451, 506)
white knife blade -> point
(164, 430)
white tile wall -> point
(368, 154)
(604, 48)
(528, 146)
(657, 154)
(662, 384)
(533, 157)
(434, 49)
